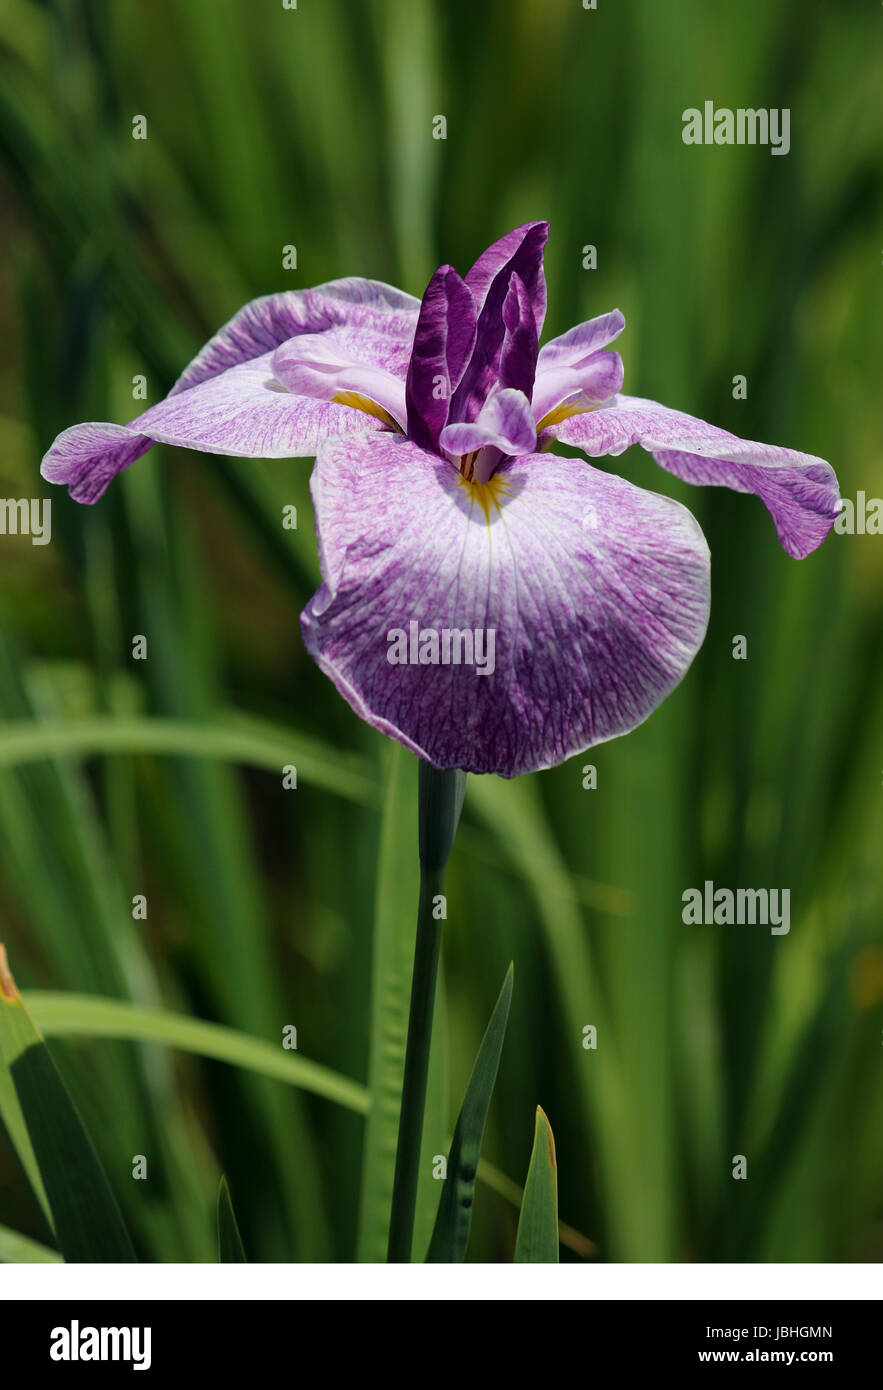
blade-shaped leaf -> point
(16, 1249)
(87, 1221)
(14, 1121)
(231, 1251)
(537, 1239)
(449, 1239)
(87, 1015)
(397, 888)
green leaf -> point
(16, 1249)
(397, 887)
(231, 1251)
(90, 1016)
(537, 1239)
(448, 1244)
(239, 739)
(86, 1218)
(395, 902)
(16, 1128)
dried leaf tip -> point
(7, 983)
(550, 1138)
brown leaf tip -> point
(7, 983)
(550, 1138)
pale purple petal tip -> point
(86, 458)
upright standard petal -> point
(582, 341)
(574, 372)
(520, 250)
(799, 490)
(87, 457)
(499, 627)
(490, 280)
(518, 352)
(443, 342)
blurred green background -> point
(312, 127)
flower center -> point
(488, 495)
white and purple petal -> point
(246, 412)
(270, 321)
(799, 490)
(87, 457)
(325, 366)
(562, 391)
(597, 593)
(581, 342)
(505, 422)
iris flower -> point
(441, 506)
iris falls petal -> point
(799, 490)
(252, 422)
(580, 598)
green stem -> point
(440, 800)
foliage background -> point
(313, 127)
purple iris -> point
(491, 605)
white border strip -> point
(479, 1283)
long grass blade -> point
(71, 1015)
(230, 1247)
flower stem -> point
(440, 800)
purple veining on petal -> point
(272, 320)
(505, 423)
(597, 593)
(573, 368)
(87, 457)
(574, 389)
(580, 342)
(244, 412)
(799, 490)
(443, 341)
